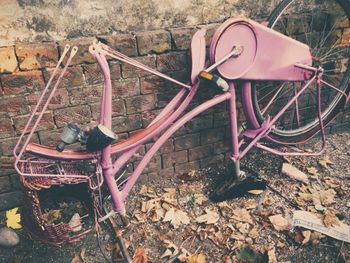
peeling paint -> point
(40, 20)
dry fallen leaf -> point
(306, 234)
(171, 249)
(79, 257)
(140, 256)
(196, 258)
(272, 256)
(210, 217)
(147, 191)
(75, 223)
(317, 195)
(312, 171)
(244, 228)
(52, 215)
(176, 217)
(199, 199)
(242, 215)
(325, 161)
(330, 218)
(279, 222)
(13, 219)
(254, 233)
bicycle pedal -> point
(214, 80)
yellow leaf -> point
(13, 219)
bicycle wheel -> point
(324, 26)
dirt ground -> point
(174, 216)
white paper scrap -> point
(312, 221)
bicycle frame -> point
(168, 120)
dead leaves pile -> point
(233, 226)
(159, 207)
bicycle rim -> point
(323, 25)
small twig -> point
(339, 253)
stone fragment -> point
(294, 173)
(8, 237)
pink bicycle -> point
(292, 74)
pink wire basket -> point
(38, 174)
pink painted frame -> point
(168, 120)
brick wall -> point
(137, 98)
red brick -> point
(153, 42)
(187, 141)
(6, 127)
(167, 147)
(173, 61)
(124, 43)
(212, 161)
(182, 76)
(8, 60)
(22, 82)
(221, 147)
(14, 105)
(6, 165)
(115, 69)
(163, 98)
(140, 103)
(212, 135)
(148, 117)
(83, 55)
(125, 88)
(45, 123)
(153, 166)
(5, 184)
(93, 74)
(200, 152)
(73, 77)
(129, 71)
(50, 138)
(118, 109)
(182, 37)
(77, 114)
(186, 167)
(7, 145)
(211, 29)
(152, 84)
(139, 154)
(221, 119)
(37, 56)
(197, 124)
(83, 95)
(59, 100)
(128, 123)
(169, 159)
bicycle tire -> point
(311, 127)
